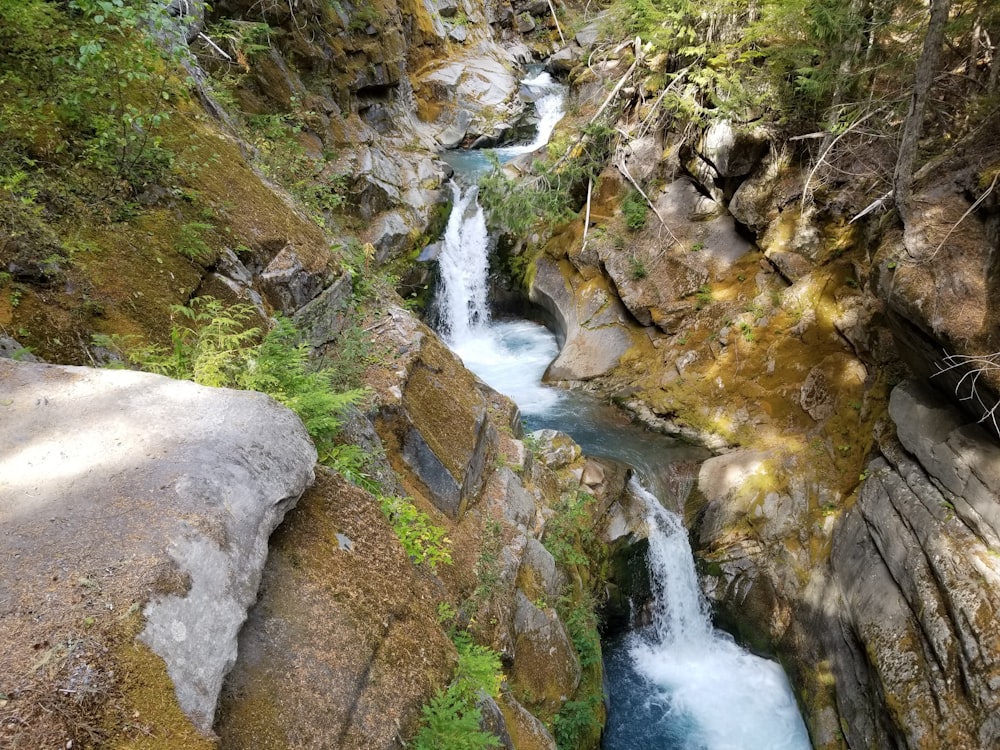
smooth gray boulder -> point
(161, 493)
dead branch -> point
(826, 151)
(552, 9)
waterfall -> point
(679, 684)
(464, 267)
(694, 687)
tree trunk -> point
(902, 178)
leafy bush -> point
(634, 211)
(215, 345)
(576, 720)
(581, 623)
(423, 541)
(568, 532)
(451, 720)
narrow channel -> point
(676, 683)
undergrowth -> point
(451, 720)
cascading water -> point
(464, 267)
(678, 684)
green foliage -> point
(637, 268)
(569, 532)
(107, 83)
(452, 718)
(703, 296)
(191, 245)
(577, 720)
(514, 205)
(634, 211)
(424, 542)
(216, 345)
(580, 618)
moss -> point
(148, 716)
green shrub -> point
(576, 721)
(634, 210)
(423, 541)
(568, 532)
(451, 720)
(216, 345)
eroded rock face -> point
(590, 318)
(921, 585)
(173, 486)
(342, 649)
(434, 417)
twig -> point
(554, 18)
(213, 45)
(827, 150)
(586, 221)
(964, 216)
(875, 205)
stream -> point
(678, 683)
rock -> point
(434, 412)
(560, 63)
(546, 671)
(538, 577)
(556, 449)
(322, 319)
(518, 506)
(174, 489)
(589, 34)
(733, 152)
(288, 285)
(458, 34)
(527, 731)
(588, 315)
(816, 395)
(914, 563)
(956, 454)
(392, 234)
(342, 649)
(525, 23)
(791, 266)
(11, 349)
(455, 134)
(447, 8)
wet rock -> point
(589, 316)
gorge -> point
(750, 276)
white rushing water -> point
(678, 684)
(464, 268)
(719, 695)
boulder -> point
(140, 492)
(435, 413)
(589, 317)
(343, 648)
(288, 285)
(733, 151)
(546, 670)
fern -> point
(451, 720)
